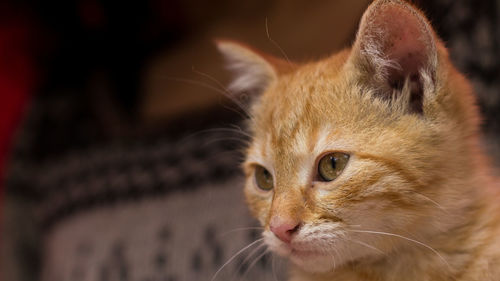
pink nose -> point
(284, 229)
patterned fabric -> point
(187, 235)
(162, 207)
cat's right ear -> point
(254, 71)
(395, 45)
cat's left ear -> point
(253, 70)
(396, 48)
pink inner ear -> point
(398, 42)
(407, 47)
(404, 39)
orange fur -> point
(416, 201)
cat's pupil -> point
(267, 175)
(333, 161)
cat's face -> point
(347, 155)
(340, 162)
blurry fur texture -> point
(416, 200)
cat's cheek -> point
(332, 204)
(325, 200)
(259, 203)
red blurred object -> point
(17, 81)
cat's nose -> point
(284, 229)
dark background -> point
(107, 52)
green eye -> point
(331, 165)
(263, 178)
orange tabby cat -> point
(367, 165)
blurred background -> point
(119, 152)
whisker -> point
(408, 239)
(333, 257)
(273, 267)
(248, 258)
(215, 130)
(208, 86)
(365, 244)
(276, 44)
(432, 201)
(234, 256)
(254, 262)
(244, 115)
(233, 138)
(229, 130)
(211, 78)
(337, 252)
(244, 142)
(198, 83)
(238, 128)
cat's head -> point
(353, 152)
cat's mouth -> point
(300, 246)
(293, 249)
(301, 250)
(306, 250)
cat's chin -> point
(309, 261)
(313, 262)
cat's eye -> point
(263, 178)
(331, 165)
